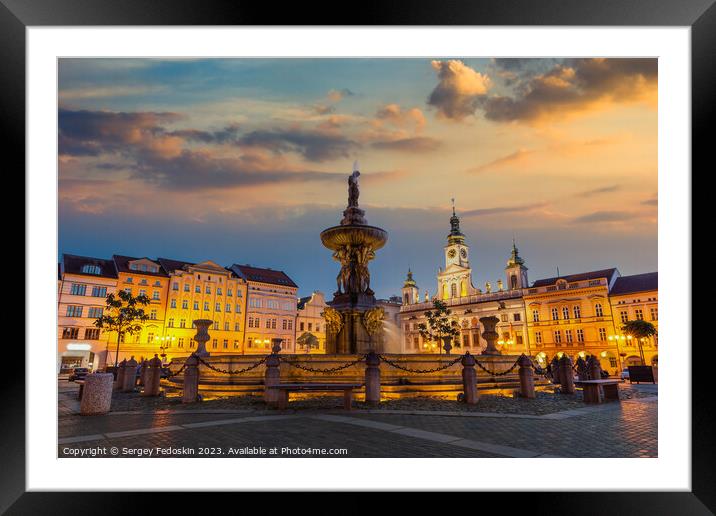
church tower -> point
(456, 279)
(411, 294)
(516, 271)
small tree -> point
(124, 314)
(440, 325)
(639, 329)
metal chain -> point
(171, 375)
(235, 371)
(325, 371)
(439, 368)
(492, 373)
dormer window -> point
(90, 269)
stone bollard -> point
(190, 392)
(372, 378)
(527, 381)
(594, 367)
(121, 369)
(566, 376)
(130, 375)
(272, 376)
(97, 395)
(145, 370)
(152, 377)
(469, 379)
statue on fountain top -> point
(353, 214)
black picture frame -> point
(699, 15)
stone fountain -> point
(354, 324)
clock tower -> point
(456, 279)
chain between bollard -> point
(236, 371)
(492, 373)
(324, 371)
(421, 371)
(172, 375)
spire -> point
(515, 258)
(455, 236)
(409, 281)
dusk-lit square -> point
(375, 257)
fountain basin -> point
(354, 234)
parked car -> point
(625, 373)
(78, 373)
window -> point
(95, 313)
(237, 327)
(639, 314)
(302, 326)
(142, 292)
(538, 337)
(90, 269)
(180, 343)
(143, 282)
(186, 287)
(565, 312)
(197, 289)
(271, 303)
(206, 306)
(226, 344)
(568, 335)
(602, 334)
(310, 326)
(228, 307)
(229, 292)
(128, 290)
(153, 314)
(78, 290)
(218, 307)
(214, 343)
(577, 311)
(535, 315)
(475, 339)
(238, 309)
(236, 344)
(238, 293)
(465, 340)
(284, 324)
(207, 290)
(74, 311)
(92, 333)
(257, 322)
(518, 339)
(255, 302)
(654, 314)
(453, 290)
(557, 337)
(517, 317)
(150, 337)
(196, 305)
(598, 310)
(612, 362)
(580, 335)
(555, 314)
(251, 322)
(171, 322)
(182, 323)
(129, 279)
(226, 326)
(173, 303)
(216, 325)
(99, 291)
(185, 304)
(624, 316)
(503, 317)
(175, 286)
(218, 291)
(155, 295)
(70, 333)
(268, 323)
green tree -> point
(639, 330)
(124, 314)
(440, 324)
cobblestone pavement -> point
(626, 429)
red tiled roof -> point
(263, 275)
(636, 283)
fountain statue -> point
(353, 321)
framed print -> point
(267, 251)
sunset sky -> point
(246, 160)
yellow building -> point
(141, 276)
(573, 315)
(636, 298)
(311, 322)
(203, 290)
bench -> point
(592, 388)
(285, 388)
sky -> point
(246, 161)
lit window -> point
(535, 315)
(185, 304)
(577, 312)
(602, 334)
(90, 269)
(598, 310)
(654, 314)
(74, 311)
(95, 313)
(639, 314)
(153, 314)
(99, 291)
(173, 303)
(78, 290)
(565, 312)
(175, 286)
(182, 323)
(580, 335)
(171, 323)
(624, 316)
(555, 314)
(557, 336)
(568, 335)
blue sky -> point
(245, 161)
